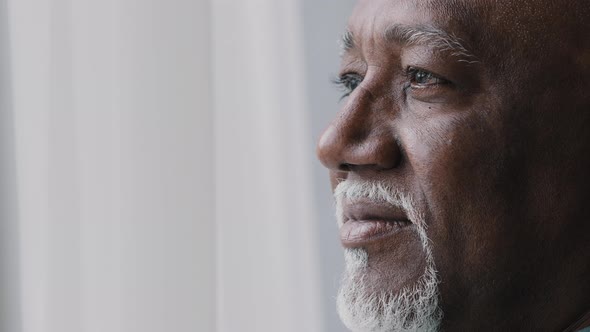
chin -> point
(376, 300)
(367, 305)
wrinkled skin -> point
(498, 155)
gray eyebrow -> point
(428, 35)
(346, 42)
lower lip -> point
(359, 233)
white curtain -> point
(263, 175)
(155, 172)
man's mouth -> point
(366, 221)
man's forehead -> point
(508, 14)
(490, 27)
(371, 18)
(406, 22)
(431, 8)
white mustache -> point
(376, 191)
(380, 192)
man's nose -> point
(359, 139)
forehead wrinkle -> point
(432, 36)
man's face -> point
(461, 148)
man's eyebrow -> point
(346, 41)
(429, 35)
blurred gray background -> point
(102, 166)
(324, 23)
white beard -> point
(360, 307)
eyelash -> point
(347, 83)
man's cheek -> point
(433, 149)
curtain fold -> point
(10, 295)
(111, 108)
(267, 249)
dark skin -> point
(495, 148)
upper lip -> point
(367, 210)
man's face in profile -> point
(459, 164)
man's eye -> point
(347, 83)
(422, 79)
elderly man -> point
(460, 164)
